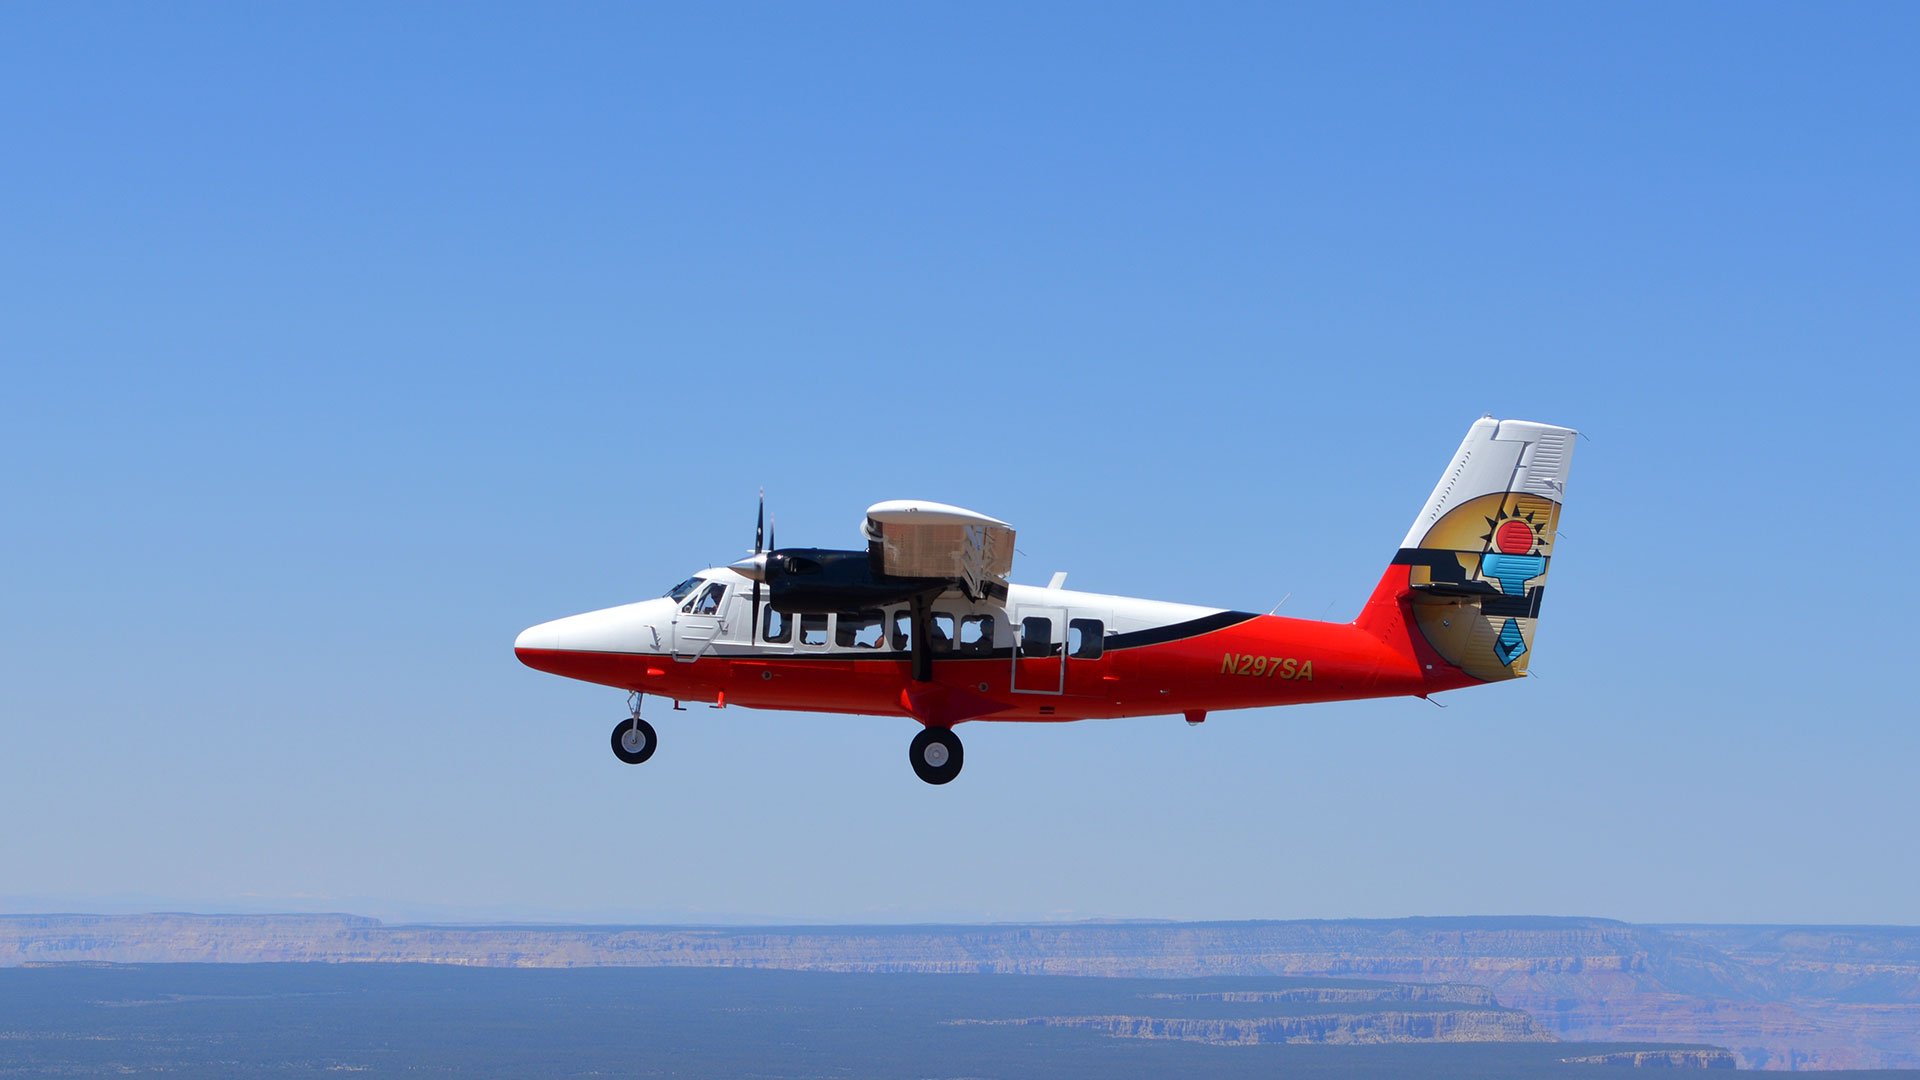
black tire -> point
(646, 736)
(943, 746)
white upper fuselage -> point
(665, 626)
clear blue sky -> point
(343, 342)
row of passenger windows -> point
(872, 629)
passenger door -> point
(1039, 658)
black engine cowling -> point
(820, 579)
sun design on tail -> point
(1510, 561)
(1513, 534)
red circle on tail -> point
(1514, 537)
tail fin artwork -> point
(1471, 572)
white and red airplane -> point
(922, 622)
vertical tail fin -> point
(1470, 575)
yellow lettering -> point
(1267, 667)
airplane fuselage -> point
(923, 622)
(1054, 654)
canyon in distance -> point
(1757, 997)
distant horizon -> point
(8, 912)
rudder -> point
(1472, 570)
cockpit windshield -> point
(679, 592)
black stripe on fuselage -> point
(1160, 635)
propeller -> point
(754, 567)
(759, 523)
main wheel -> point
(936, 755)
(634, 741)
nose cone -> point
(548, 646)
(591, 642)
(547, 636)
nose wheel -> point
(634, 740)
(936, 755)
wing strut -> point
(921, 616)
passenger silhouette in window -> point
(976, 634)
(1085, 640)
(1036, 636)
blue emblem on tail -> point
(1512, 572)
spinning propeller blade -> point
(759, 523)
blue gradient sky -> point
(342, 342)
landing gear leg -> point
(936, 755)
(634, 739)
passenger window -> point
(776, 627)
(813, 629)
(1086, 639)
(708, 602)
(976, 634)
(902, 630)
(1036, 636)
(861, 630)
(940, 635)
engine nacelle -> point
(820, 579)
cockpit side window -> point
(679, 592)
(708, 602)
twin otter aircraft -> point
(922, 622)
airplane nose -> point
(546, 635)
(551, 646)
(627, 629)
(537, 646)
(609, 646)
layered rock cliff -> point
(1332, 1029)
(1778, 997)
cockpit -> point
(698, 596)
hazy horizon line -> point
(8, 911)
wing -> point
(909, 538)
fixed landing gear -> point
(634, 739)
(936, 755)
